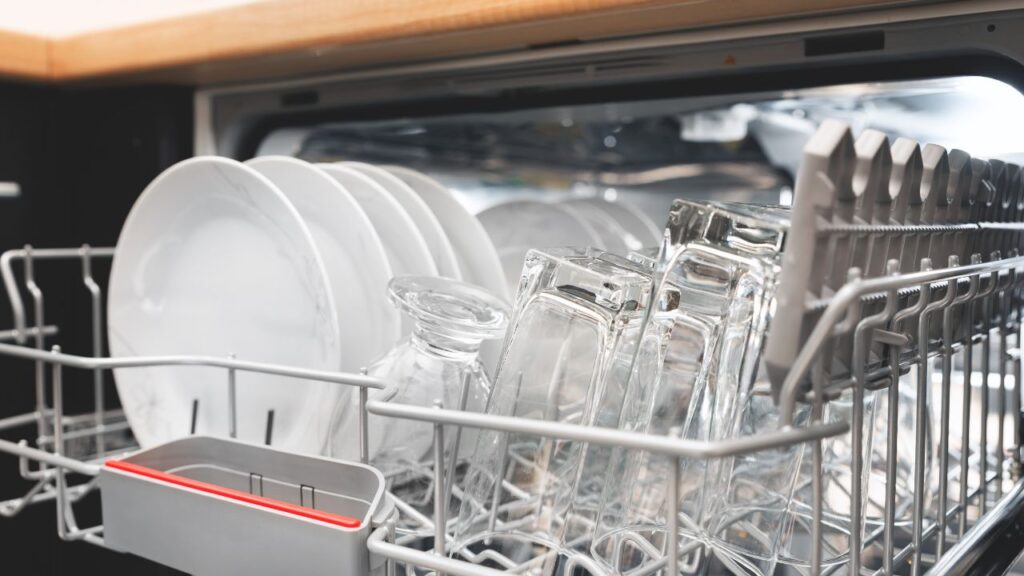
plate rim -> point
(459, 219)
(359, 215)
(394, 184)
(409, 226)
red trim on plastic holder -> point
(335, 519)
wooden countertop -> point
(278, 38)
(24, 56)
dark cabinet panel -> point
(80, 158)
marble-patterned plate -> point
(214, 260)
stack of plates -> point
(281, 261)
(278, 261)
(517, 226)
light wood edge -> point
(24, 56)
(279, 38)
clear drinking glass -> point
(751, 511)
(575, 323)
(837, 479)
(837, 482)
(759, 503)
(694, 378)
(437, 361)
(760, 485)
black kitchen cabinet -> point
(80, 157)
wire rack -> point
(892, 320)
(55, 429)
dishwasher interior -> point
(745, 148)
(880, 432)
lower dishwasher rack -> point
(980, 530)
(989, 546)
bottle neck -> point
(430, 340)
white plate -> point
(214, 260)
(426, 222)
(520, 225)
(357, 265)
(641, 231)
(478, 260)
(406, 250)
(613, 235)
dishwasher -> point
(785, 340)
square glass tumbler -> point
(567, 352)
(695, 378)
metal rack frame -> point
(51, 479)
(52, 485)
(937, 291)
(859, 310)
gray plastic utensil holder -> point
(204, 533)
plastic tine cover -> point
(958, 197)
(874, 166)
(858, 205)
(1018, 209)
(906, 179)
(947, 204)
(870, 182)
(844, 213)
(1005, 204)
(933, 195)
(824, 176)
(978, 193)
